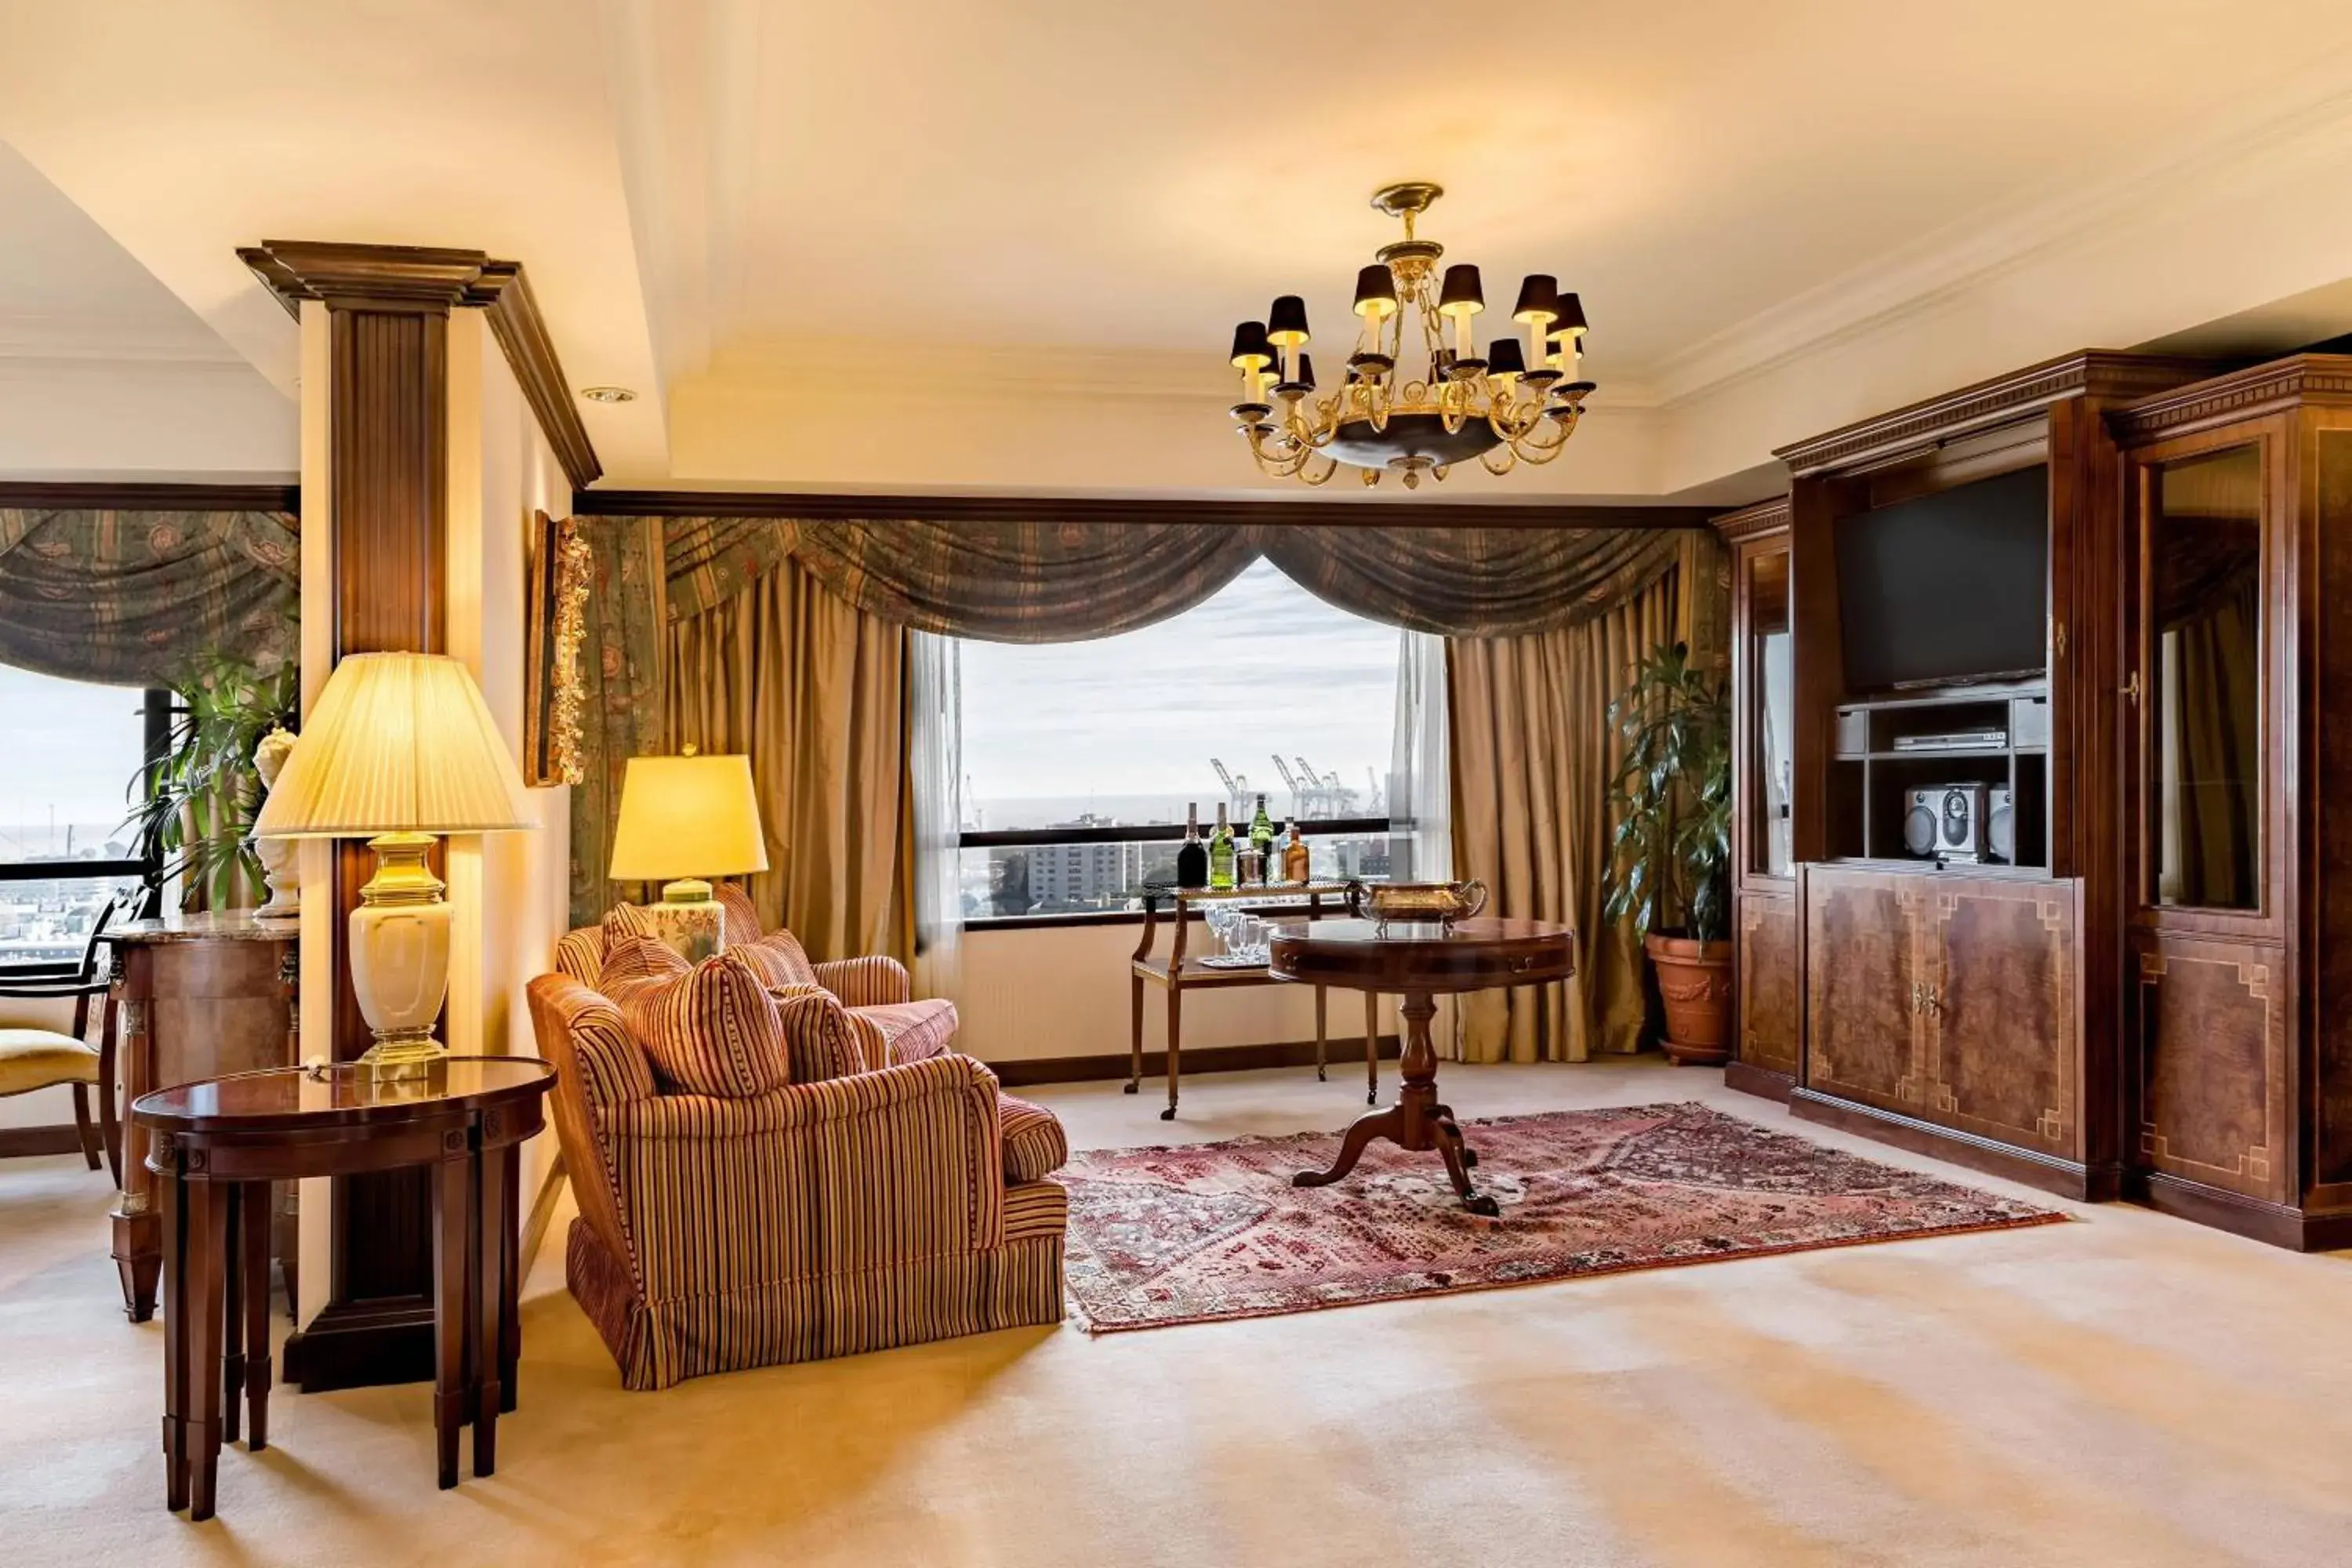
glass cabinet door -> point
(1771, 716)
(2202, 638)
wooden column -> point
(388, 459)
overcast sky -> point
(1265, 667)
(66, 746)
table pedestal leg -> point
(511, 1293)
(490, 1291)
(203, 1221)
(451, 1234)
(177, 1315)
(1416, 1121)
(232, 1362)
(253, 1200)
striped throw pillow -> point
(631, 958)
(743, 921)
(626, 920)
(712, 1030)
(782, 958)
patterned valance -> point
(1060, 582)
(131, 598)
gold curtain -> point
(1533, 759)
(814, 690)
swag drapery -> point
(131, 598)
(678, 652)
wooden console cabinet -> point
(2149, 996)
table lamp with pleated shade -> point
(685, 819)
(400, 747)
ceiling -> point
(1018, 234)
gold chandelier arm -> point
(1511, 459)
(1308, 476)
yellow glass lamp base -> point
(400, 955)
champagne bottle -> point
(1260, 837)
(1294, 862)
(1192, 856)
(1220, 853)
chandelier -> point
(1506, 407)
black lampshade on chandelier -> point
(1504, 406)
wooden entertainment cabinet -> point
(2143, 995)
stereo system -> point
(1954, 740)
(1963, 823)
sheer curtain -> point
(1421, 786)
(1421, 804)
(935, 781)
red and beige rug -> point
(1194, 1233)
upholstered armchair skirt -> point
(818, 1219)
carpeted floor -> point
(1196, 1232)
(2128, 1390)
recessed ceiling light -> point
(608, 395)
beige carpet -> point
(2129, 1390)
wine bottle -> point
(1220, 853)
(1192, 856)
(1260, 837)
(1294, 862)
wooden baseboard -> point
(25, 1141)
(542, 1215)
(366, 1346)
(1343, 1052)
(2280, 1225)
(1756, 1080)
(2067, 1178)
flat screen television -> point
(1947, 588)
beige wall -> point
(508, 889)
(1062, 991)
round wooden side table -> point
(1420, 961)
(215, 1146)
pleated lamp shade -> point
(688, 817)
(398, 742)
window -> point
(1080, 758)
(65, 776)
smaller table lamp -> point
(400, 747)
(685, 819)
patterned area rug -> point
(1192, 1233)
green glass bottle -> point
(1262, 840)
(1220, 853)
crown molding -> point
(1924, 275)
(1047, 509)
(1766, 516)
(2296, 379)
(102, 496)
(2098, 374)
(434, 281)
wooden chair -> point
(33, 1059)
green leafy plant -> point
(1670, 856)
(194, 806)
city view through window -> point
(71, 752)
(1263, 690)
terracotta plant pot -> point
(1695, 979)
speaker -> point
(1945, 821)
(2000, 826)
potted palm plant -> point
(1670, 863)
(195, 802)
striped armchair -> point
(854, 1214)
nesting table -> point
(215, 1146)
(1422, 960)
(1176, 973)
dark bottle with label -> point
(1193, 857)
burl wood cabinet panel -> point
(1998, 956)
(1859, 1002)
(1768, 981)
(2210, 1025)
